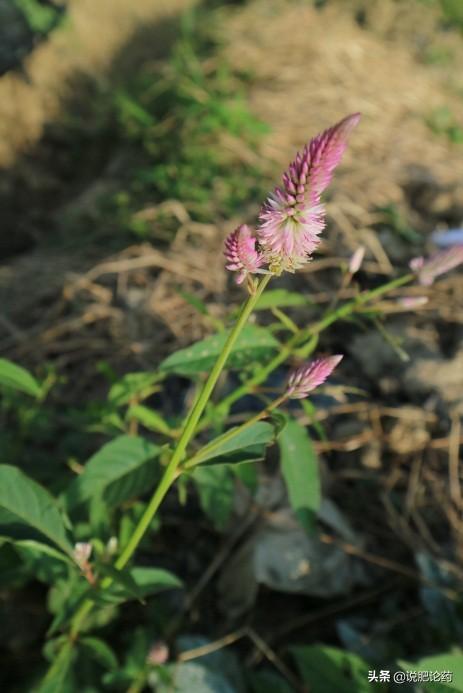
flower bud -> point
(309, 376)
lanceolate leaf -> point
(149, 418)
(18, 378)
(25, 503)
(37, 546)
(246, 445)
(111, 463)
(254, 343)
(137, 583)
(299, 466)
(100, 651)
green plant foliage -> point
(137, 583)
(326, 668)
(446, 661)
(41, 18)
(191, 124)
(254, 343)
(59, 678)
(443, 122)
(133, 386)
(300, 470)
(17, 378)
(149, 418)
(215, 485)
(24, 504)
(99, 651)
(114, 462)
(281, 298)
(247, 445)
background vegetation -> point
(132, 140)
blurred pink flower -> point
(241, 254)
(293, 217)
(412, 301)
(428, 270)
(356, 260)
(309, 376)
(158, 653)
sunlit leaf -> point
(281, 298)
(254, 343)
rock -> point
(440, 375)
(282, 556)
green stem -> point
(171, 472)
(310, 333)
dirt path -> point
(93, 32)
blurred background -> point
(134, 135)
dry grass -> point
(312, 67)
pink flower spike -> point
(293, 217)
(241, 254)
(428, 270)
(308, 377)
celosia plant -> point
(284, 240)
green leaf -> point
(330, 669)
(299, 466)
(17, 378)
(58, 676)
(281, 298)
(37, 546)
(121, 578)
(254, 344)
(446, 661)
(137, 583)
(149, 419)
(153, 580)
(25, 503)
(246, 445)
(100, 651)
(134, 386)
(115, 461)
(216, 488)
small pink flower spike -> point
(428, 270)
(241, 254)
(309, 376)
(293, 217)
